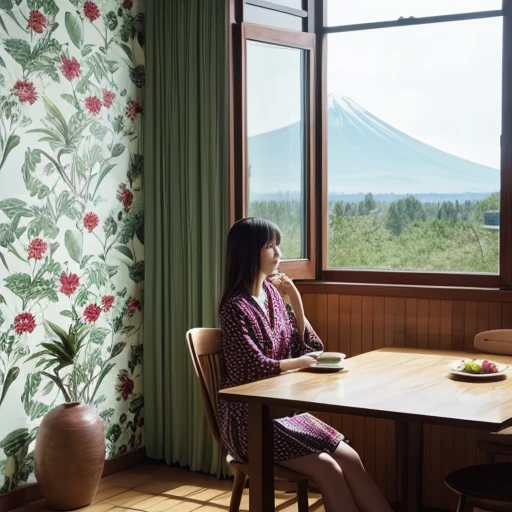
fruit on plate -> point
(478, 366)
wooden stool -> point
(487, 486)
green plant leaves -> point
(105, 169)
(11, 376)
(75, 29)
(18, 283)
(118, 150)
(32, 184)
(98, 130)
(18, 49)
(126, 251)
(13, 442)
(110, 226)
(117, 349)
(13, 207)
(97, 335)
(11, 143)
(73, 243)
(138, 76)
(111, 20)
(33, 408)
(136, 271)
(99, 273)
(103, 373)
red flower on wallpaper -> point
(107, 302)
(91, 220)
(91, 11)
(133, 109)
(127, 4)
(70, 67)
(37, 22)
(36, 249)
(124, 384)
(125, 195)
(25, 91)
(92, 313)
(133, 306)
(108, 98)
(69, 283)
(24, 322)
(93, 105)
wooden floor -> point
(156, 488)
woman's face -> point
(270, 258)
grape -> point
(476, 368)
(485, 366)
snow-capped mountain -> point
(365, 154)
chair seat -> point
(502, 437)
(484, 481)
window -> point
(414, 124)
(343, 12)
(277, 138)
(383, 129)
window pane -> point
(276, 134)
(347, 12)
(414, 125)
(272, 18)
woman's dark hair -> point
(245, 241)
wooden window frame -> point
(503, 279)
(304, 268)
(316, 221)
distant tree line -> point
(399, 214)
(405, 234)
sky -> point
(440, 83)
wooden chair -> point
(498, 341)
(205, 347)
(486, 486)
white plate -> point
(318, 353)
(456, 364)
(336, 367)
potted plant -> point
(70, 445)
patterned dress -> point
(253, 343)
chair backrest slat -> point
(205, 345)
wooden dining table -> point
(414, 387)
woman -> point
(264, 336)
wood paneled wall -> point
(354, 324)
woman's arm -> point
(242, 348)
(287, 289)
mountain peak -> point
(366, 154)
(336, 100)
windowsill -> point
(405, 291)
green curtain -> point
(186, 192)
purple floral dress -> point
(253, 343)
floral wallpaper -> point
(71, 216)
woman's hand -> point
(284, 285)
(305, 361)
(289, 292)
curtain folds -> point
(186, 187)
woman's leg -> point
(364, 490)
(328, 476)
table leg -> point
(261, 466)
(409, 450)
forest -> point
(405, 234)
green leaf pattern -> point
(71, 251)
